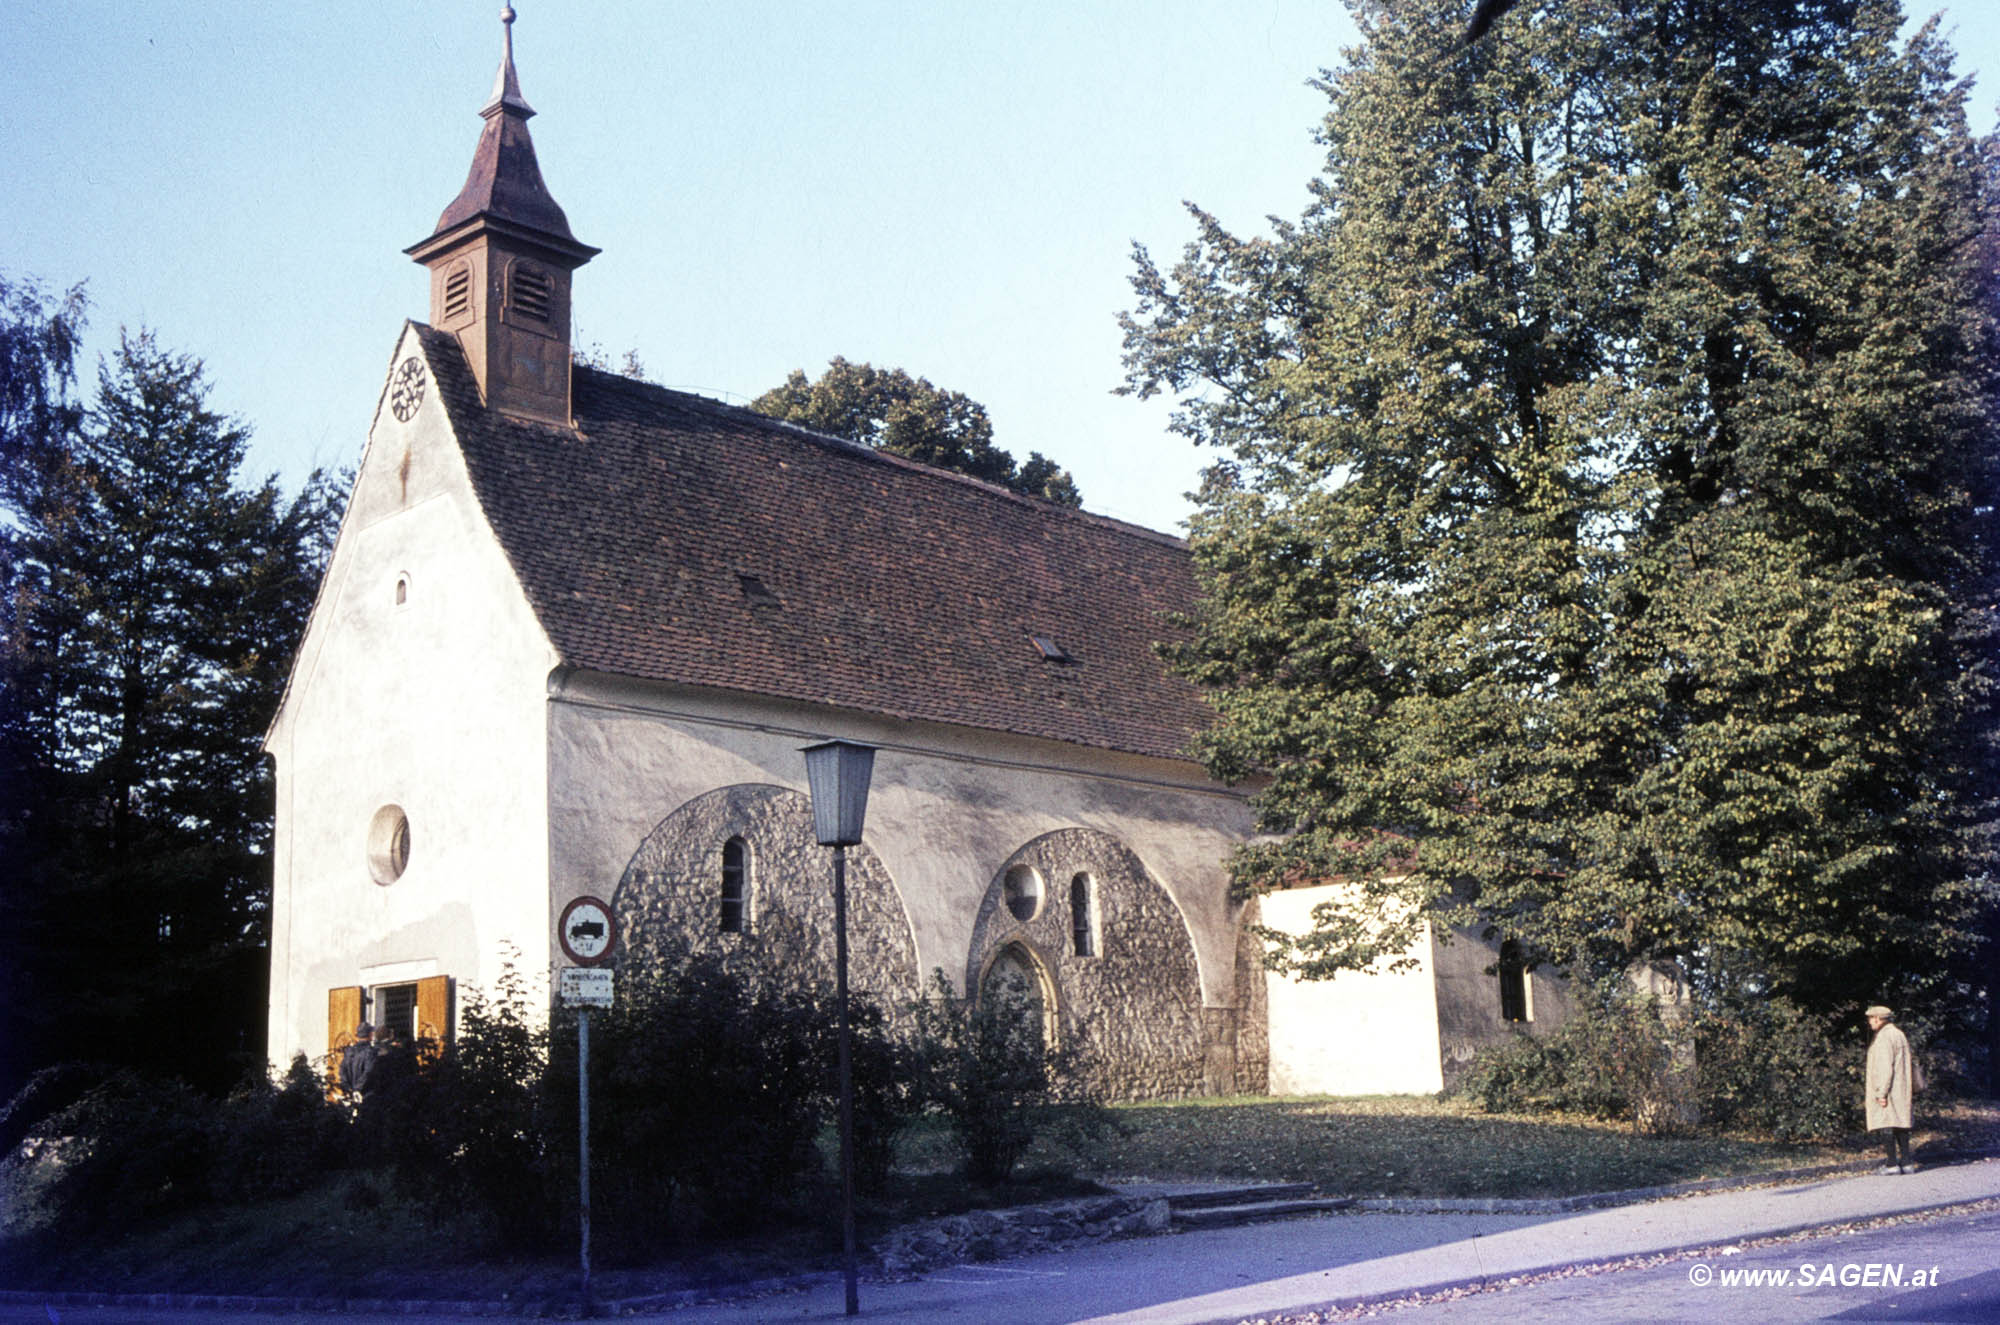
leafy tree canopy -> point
(149, 607)
(38, 342)
(1603, 550)
(888, 409)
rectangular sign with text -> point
(585, 987)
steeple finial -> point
(506, 85)
(505, 182)
(501, 259)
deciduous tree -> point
(1603, 550)
(888, 409)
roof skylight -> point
(1050, 650)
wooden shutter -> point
(433, 1013)
(343, 1014)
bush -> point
(709, 1088)
(45, 1094)
(987, 1066)
(463, 1128)
(1523, 1074)
(133, 1148)
(886, 1094)
(277, 1139)
(1607, 1061)
(1766, 1066)
(717, 1082)
(1760, 1064)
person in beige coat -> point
(1890, 1085)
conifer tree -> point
(1603, 548)
(150, 613)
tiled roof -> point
(652, 538)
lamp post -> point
(837, 775)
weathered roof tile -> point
(900, 590)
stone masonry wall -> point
(669, 899)
(996, 1235)
(1253, 1007)
(1134, 1007)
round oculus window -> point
(388, 844)
(1021, 890)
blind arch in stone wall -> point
(668, 900)
(1020, 971)
(1134, 1008)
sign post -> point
(587, 932)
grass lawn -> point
(1403, 1145)
(1414, 1146)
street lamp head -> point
(837, 773)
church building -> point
(576, 630)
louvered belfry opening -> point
(457, 294)
(501, 259)
(532, 294)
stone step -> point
(1224, 1216)
(1266, 1191)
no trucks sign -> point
(587, 932)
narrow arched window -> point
(1021, 890)
(735, 885)
(1083, 916)
(1514, 1004)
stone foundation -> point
(993, 1235)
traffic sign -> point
(585, 987)
(587, 932)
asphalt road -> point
(1828, 1276)
(1052, 1288)
(1867, 1228)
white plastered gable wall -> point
(421, 683)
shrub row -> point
(1759, 1065)
(130, 1147)
(710, 1090)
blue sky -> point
(947, 187)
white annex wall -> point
(435, 703)
(1362, 1033)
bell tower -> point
(501, 259)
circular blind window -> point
(1022, 891)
